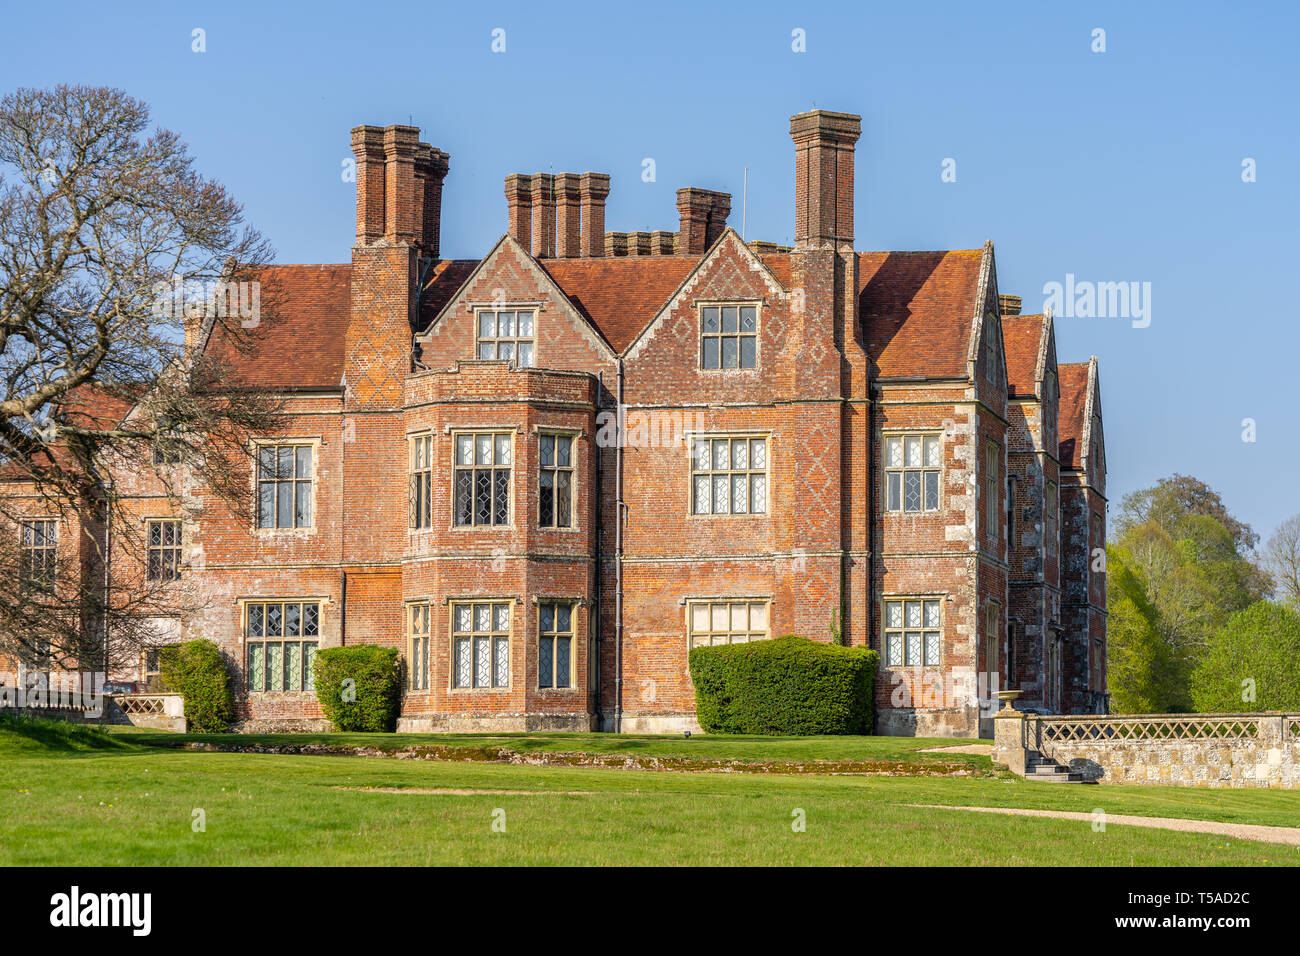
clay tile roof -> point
(778, 263)
(1073, 378)
(441, 282)
(620, 295)
(1021, 337)
(300, 346)
(90, 406)
(916, 310)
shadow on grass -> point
(21, 734)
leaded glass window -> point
(480, 644)
(163, 550)
(555, 623)
(482, 478)
(417, 662)
(1050, 512)
(913, 464)
(729, 476)
(992, 456)
(281, 639)
(39, 541)
(284, 485)
(727, 622)
(422, 481)
(555, 481)
(728, 336)
(507, 334)
(912, 632)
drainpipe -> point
(343, 609)
(618, 558)
(108, 579)
(872, 512)
(597, 498)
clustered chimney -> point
(702, 218)
(560, 215)
(823, 171)
(399, 187)
(1009, 304)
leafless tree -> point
(1282, 555)
(102, 223)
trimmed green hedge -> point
(371, 701)
(197, 671)
(791, 685)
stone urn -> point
(1008, 698)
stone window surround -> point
(576, 605)
(255, 446)
(690, 603)
(700, 306)
(477, 308)
(689, 438)
(452, 603)
(885, 600)
(322, 603)
(429, 468)
(22, 521)
(455, 432)
(179, 547)
(904, 433)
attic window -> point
(728, 336)
(507, 334)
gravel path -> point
(984, 749)
(1242, 831)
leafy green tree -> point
(1143, 679)
(1252, 663)
(1187, 565)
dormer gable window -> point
(729, 336)
(507, 334)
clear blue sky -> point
(1116, 166)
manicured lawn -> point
(105, 799)
(773, 749)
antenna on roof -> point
(744, 205)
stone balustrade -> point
(1182, 750)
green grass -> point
(755, 749)
(71, 797)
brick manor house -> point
(872, 447)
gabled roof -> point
(440, 282)
(1022, 339)
(1072, 419)
(620, 295)
(91, 406)
(916, 310)
(300, 346)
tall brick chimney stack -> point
(368, 148)
(543, 215)
(823, 177)
(403, 207)
(568, 216)
(593, 189)
(399, 187)
(430, 170)
(702, 217)
(519, 206)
